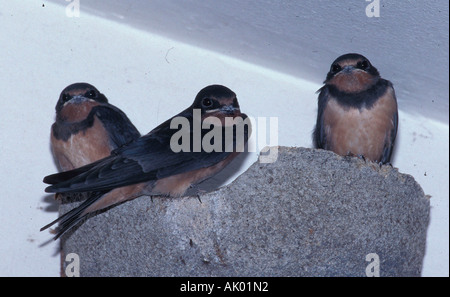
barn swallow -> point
(357, 111)
(87, 127)
(149, 166)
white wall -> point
(408, 42)
(274, 56)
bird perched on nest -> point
(150, 166)
(357, 111)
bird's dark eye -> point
(364, 64)
(65, 97)
(207, 102)
(335, 68)
(91, 94)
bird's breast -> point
(360, 131)
(84, 147)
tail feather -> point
(69, 219)
(66, 175)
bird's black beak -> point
(77, 99)
(229, 109)
(348, 69)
